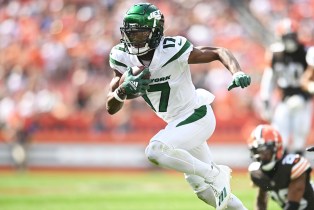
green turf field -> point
(108, 191)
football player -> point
(283, 177)
(181, 145)
(292, 114)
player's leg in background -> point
(201, 188)
(281, 122)
(302, 119)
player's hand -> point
(133, 85)
(240, 79)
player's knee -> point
(155, 150)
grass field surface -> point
(156, 190)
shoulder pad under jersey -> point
(310, 56)
(256, 175)
(117, 58)
(300, 165)
(277, 47)
(174, 48)
(254, 166)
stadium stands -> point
(54, 67)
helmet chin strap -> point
(139, 51)
(269, 166)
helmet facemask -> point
(137, 39)
(265, 154)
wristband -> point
(115, 95)
(292, 205)
(310, 87)
(238, 73)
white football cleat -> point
(220, 185)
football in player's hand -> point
(136, 70)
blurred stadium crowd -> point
(54, 69)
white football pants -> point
(292, 118)
(182, 146)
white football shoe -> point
(220, 185)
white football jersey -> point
(172, 93)
(310, 56)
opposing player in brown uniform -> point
(283, 177)
(288, 60)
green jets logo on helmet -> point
(143, 28)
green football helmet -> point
(143, 28)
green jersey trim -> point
(115, 62)
(178, 54)
(148, 102)
(199, 113)
(120, 47)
